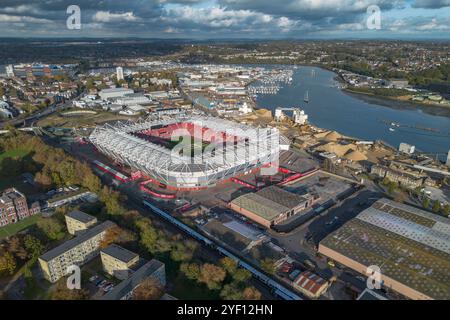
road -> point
(30, 120)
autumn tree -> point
(231, 291)
(116, 234)
(230, 265)
(183, 251)
(15, 246)
(251, 293)
(190, 270)
(149, 289)
(7, 263)
(211, 275)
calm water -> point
(330, 108)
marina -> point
(329, 107)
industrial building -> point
(226, 149)
(410, 246)
(124, 291)
(78, 221)
(117, 261)
(271, 205)
(36, 70)
(310, 284)
(77, 251)
(105, 94)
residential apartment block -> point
(124, 291)
(76, 251)
(14, 207)
(78, 221)
(118, 261)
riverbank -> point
(443, 111)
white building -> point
(406, 148)
(114, 93)
(448, 158)
(119, 73)
(10, 71)
(245, 108)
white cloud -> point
(106, 16)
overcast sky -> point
(213, 19)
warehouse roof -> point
(81, 216)
(281, 196)
(410, 245)
(259, 205)
(72, 243)
(119, 253)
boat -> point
(391, 129)
(306, 99)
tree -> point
(7, 263)
(251, 293)
(190, 270)
(268, 265)
(149, 289)
(52, 228)
(116, 235)
(15, 246)
(241, 275)
(61, 292)
(231, 292)
(392, 187)
(211, 275)
(426, 203)
(446, 209)
(230, 265)
(33, 246)
(436, 206)
(183, 251)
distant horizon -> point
(62, 38)
(227, 19)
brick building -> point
(14, 207)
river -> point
(331, 108)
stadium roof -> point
(410, 246)
(119, 142)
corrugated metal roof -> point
(260, 206)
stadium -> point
(217, 149)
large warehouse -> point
(216, 150)
(271, 205)
(410, 246)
